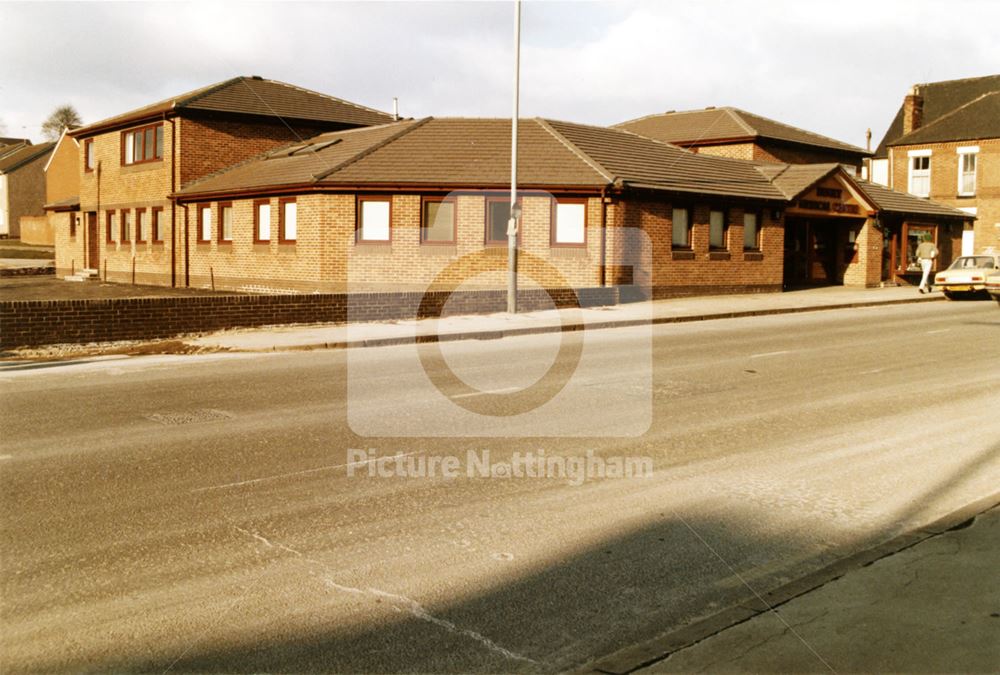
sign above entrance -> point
(829, 197)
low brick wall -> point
(26, 271)
(37, 230)
(40, 322)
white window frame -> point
(570, 228)
(962, 153)
(910, 174)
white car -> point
(967, 275)
(993, 287)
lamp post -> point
(515, 211)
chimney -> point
(395, 108)
(868, 139)
(913, 110)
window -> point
(126, 225)
(373, 219)
(142, 145)
(204, 223)
(570, 223)
(88, 155)
(497, 217)
(262, 221)
(967, 170)
(682, 228)
(439, 225)
(72, 226)
(111, 225)
(920, 173)
(751, 231)
(718, 229)
(142, 225)
(287, 220)
(157, 223)
(226, 222)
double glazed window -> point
(718, 229)
(438, 225)
(204, 223)
(681, 228)
(288, 220)
(142, 225)
(157, 216)
(751, 231)
(226, 223)
(570, 223)
(111, 226)
(126, 225)
(144, 144)
(88, 155)
(262, 221)
(374, 215)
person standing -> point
(926, 253)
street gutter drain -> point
(189, 417)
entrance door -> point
(93, 243)
(796, 252)
(814, 252)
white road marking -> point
(399, 603)
(872, 372)
(766, 354)
(935, 332)
(505, 390)
(331, 467)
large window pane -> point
(750, 230)
(497, 215)
(129, 141)
(227, 223)
(717, 229)
(681, 228)
(206, 224)
(439, 222)
(374, 220)
(159, 141)
(290, 222)
(263, 222)
(571, 226)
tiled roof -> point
(13, 141)
(693, 127)
(25, 154)
(475, 153)
(892, 201)
(793, 179)
(975, 120)
(254, 96)
(940, 98)
(68, 204)
(642, 162)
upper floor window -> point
(88, 155)
(967, 170)
(718, 229)
(681, 228)
(438, 226)
(374, 215)
(144, 144)
(920, 173)
(288, 226)
(570, 223)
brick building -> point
(62, 186)
(735, 133)
(22, 184)
(944, 144)
(206, 190)
(129, 165)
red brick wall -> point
(40, 322)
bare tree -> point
(63, 117)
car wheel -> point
(949, 295)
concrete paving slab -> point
(933, 607)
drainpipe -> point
(187, 250)
(604, 238)
(173, 205)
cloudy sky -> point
(835, 68)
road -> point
(197, 513)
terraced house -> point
(944, 144)
(131, 163)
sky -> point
(833, 68)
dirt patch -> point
(55, 288)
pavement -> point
(494, 326)
(926, 601)
(16, 263)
